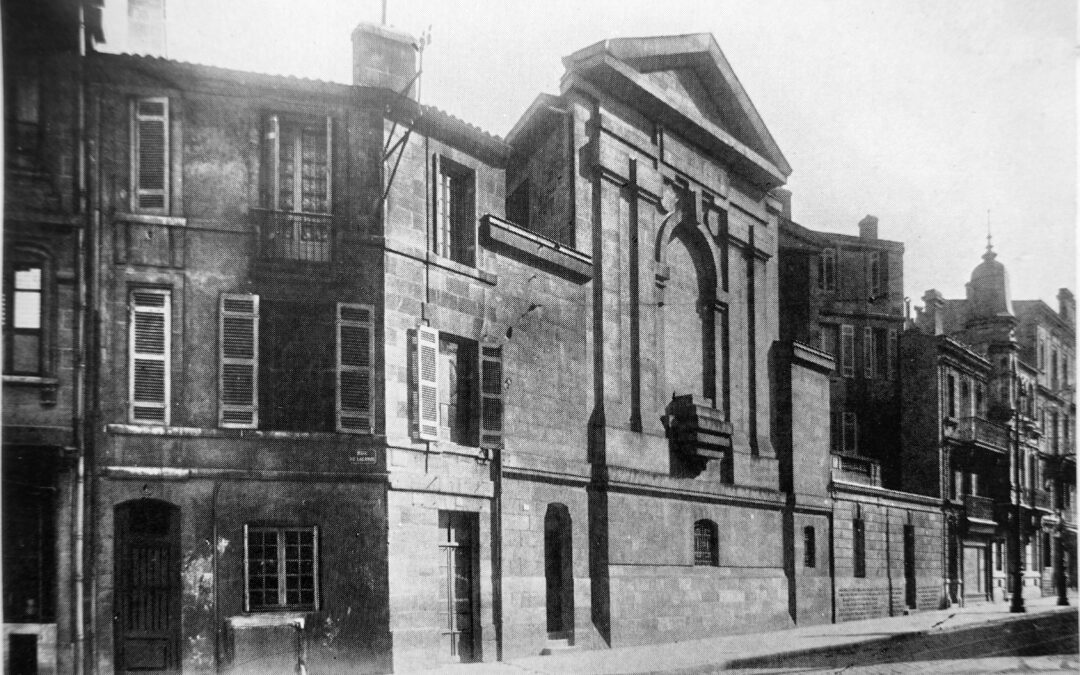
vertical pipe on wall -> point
(78, 571)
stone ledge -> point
(537, 247)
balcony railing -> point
(856, 469)
(286, 235)
(978, 507)
(983, 432)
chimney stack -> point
(1067, 306)
(783, 195)
(868, 228)
(383, 57)
(932, 318)
(146, 27)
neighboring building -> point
(844, 295)
(42, 440)
(983, 377)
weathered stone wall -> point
(881, 592)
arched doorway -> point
(147, 591)
(559, 573)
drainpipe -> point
(79, 383)
(496, 549)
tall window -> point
(1054, 369)
(873, 265)
(950, 394)
(827, 270)
(893, 355)
(706, 546)
(150, 155)
(24, 343)
(281, 568)
(859, 546)
(22, 111)
(296, 186)
(847, 350)
(809, 547)
(830, 339)
(149, 355)
(458, 390)
(870, 350)
(850, 430)
(455, 207)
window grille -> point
(281, 568)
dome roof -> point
(988, 290)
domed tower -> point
(989, 327)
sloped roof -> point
(686, 81)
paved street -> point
(976, 639)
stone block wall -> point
(882, 591)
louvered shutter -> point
(427, 384)
(847, 350)
(238, 361)
(491, 400)
(355, 359)
(150, 155)
(869, 352)
(149, 364)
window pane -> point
(28, 279)
(26, 353)
(27, 309)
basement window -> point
(281, 568)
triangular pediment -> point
(689, 74)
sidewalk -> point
(765, 650)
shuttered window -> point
(809, 547)
(893, 355)
(149, 368)
(847, 350)
(150, 155)
(238, 361)
(427, 387)
(355, 356)
(869, 354)
(491, 401)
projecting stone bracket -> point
(697, 431)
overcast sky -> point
(934, 116)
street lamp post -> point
(1017, 604)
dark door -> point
(909, 566)
(147, 597)
(459, 563)
(558, 573)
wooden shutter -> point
(150, 155)
(868, 354)
(149, 380)
(427, 383)
(238, 361)
(355, 371)
(847, 350)
(491, 400)
(893, 354)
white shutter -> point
(427, 383)
(491, 399)
(355, 358)
(149, 344)
(150, 155)
(238, 361)
(847, 350)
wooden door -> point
(147, 597)
(459, 558)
